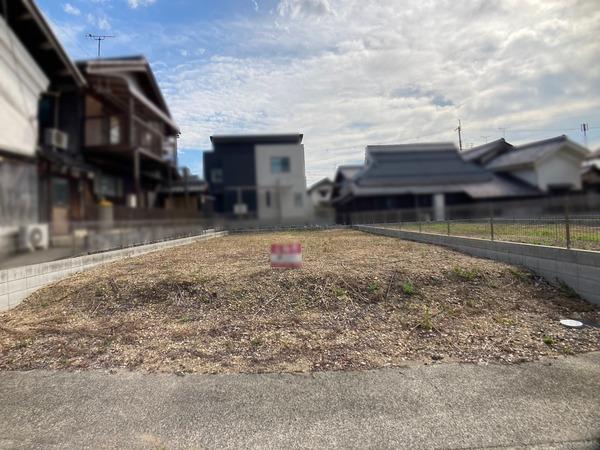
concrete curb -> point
(18, 283)
(578, 269)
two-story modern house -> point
(258, 176)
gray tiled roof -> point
(349, 172)
(418, 165)
(322, 182)
(483, 153)
(528, 154)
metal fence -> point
(580, 204)
(581, 231)
(85, 237)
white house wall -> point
(560, 169)
(527, 175)
(317, 199)
(282, 186)
(21, 83)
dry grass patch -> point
(361, 301)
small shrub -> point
(256, 342)
(521, 275)
(340, 294)
(186, 319)
(493, 284)
(465, 274)
(22, 344)
(566, 289)
(505, 321)
(568, 350)
(426, 322)
(471, 303)
(373, 287)
(408, 288)
(548, 340)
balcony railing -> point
(105, 131)
(116, 132)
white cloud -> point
(304, 8)
(134, 4)
(103, 23)
(100, 22)
(348, 73)
(255, 4)
(70, 9)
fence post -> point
(448, 227)
(420, 231)
(567, 224)
(492, 227)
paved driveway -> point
(545, 405)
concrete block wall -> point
(17, 284)
(578, 269)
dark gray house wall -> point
(236, 162)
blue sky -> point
(348, 73)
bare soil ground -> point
(360, 301)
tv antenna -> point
(98, 38)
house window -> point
(280, 164)
(115, 130)
(108, 186)
(268, 199)
(60, 192)
(298, 200)
(46, 112)
(216, 175)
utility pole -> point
(98, 38)
(459, 129)
(584, 128)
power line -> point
(406, 140)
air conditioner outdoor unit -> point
(33, 237)
(56, 138)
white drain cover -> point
(571, 323)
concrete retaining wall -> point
(17, 284)
(579, 269)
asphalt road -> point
(544, 405)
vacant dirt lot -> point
(361, 301)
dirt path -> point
(361, 301)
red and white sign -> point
(286, 256)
